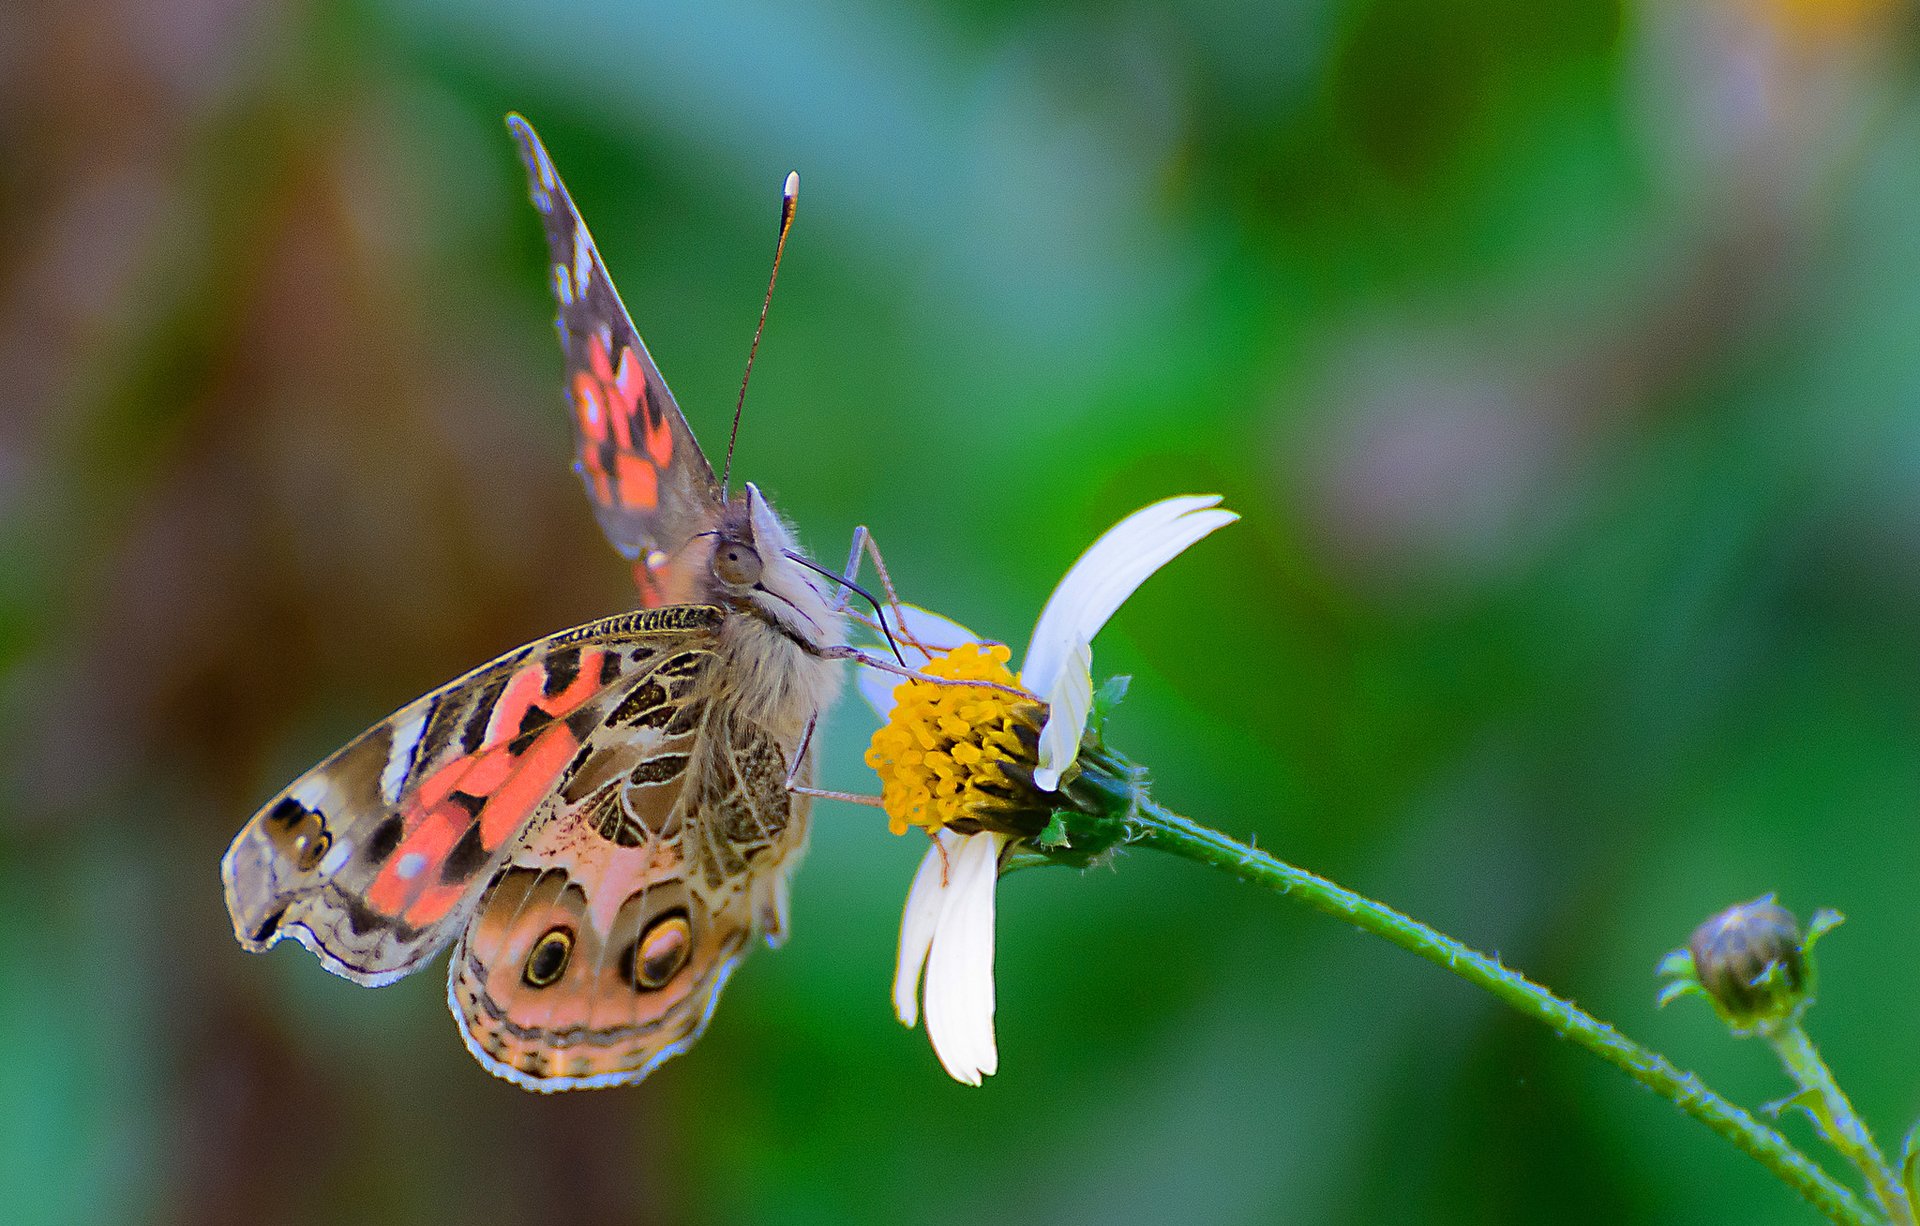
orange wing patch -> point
(482, 797)
(651, 488)
(610, 400)
(639, 482)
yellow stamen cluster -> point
(957, 753)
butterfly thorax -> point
(770, 679)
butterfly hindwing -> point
(602, 948)
(646, 476)
(375, 858)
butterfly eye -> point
(549, 958)
(736, 564)
(661, 951)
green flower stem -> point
(1834, 1115)
(1157, 827)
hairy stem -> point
(1834, 1115)
(1157, 827)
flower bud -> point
(1750, 961)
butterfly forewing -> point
(374, 857)
(649, 483)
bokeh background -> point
(1563, 359)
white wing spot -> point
(562, 288)
(311, 791)
(582, 258)
(336, 859)
(406, 738)
(547, 179)
(410, 865)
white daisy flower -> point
(982, 768)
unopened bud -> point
(1750, 961)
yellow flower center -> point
(957, 753)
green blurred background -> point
(1561, 358)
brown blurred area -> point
(281, 469)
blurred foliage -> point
(1560, 358)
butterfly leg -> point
(852, 798)
(800, 754)
(851, 573)
(864, 548)
(864, 537)
(888, 666)
(798, 789)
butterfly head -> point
(754, 571)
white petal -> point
(1109, 572)
(1067, 709)
(960, 965)
(925, 900)
(934, 632)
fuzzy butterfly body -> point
(598, 822)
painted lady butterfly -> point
(600, 822)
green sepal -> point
(1825, 920)
(1677, 970)
(1109, 696)
(1678, 964)
(1103, 796)
(1776, 981)
(1773, 976)
(1054, 837)
(1808, 1100)
(1675, 990)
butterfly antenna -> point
(789, 196)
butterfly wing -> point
(603, 946)
(374, 858)
(606, 830)
(649, 482)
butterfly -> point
(600, 822)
